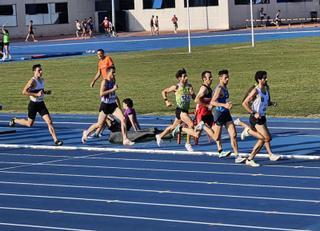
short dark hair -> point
(260, 75)
(129, 102)
(35, 66)
(223, 72)
(203, 74)
(100, 50)
(181, 72)
(111, 68)
(31, 21)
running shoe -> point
(252, 163)
(84, 137)
(274, 157)
(58, 142)
(239, 159)
(223, 154)
(199, 126)
(237, 122)
(128, 142)
(244, 133)
(12, 123)
(159, 140)
(175, 131)
(189, 147)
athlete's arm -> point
(95, 78)
(200, 95)
(104, 92)
(27, 90)
(215, 97)
(247, 100)
(134, 122)
(165, 92)
(191, 91)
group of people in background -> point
(154, 25)
(84, 28)
(267, 21)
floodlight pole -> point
(113, 14)
(251, 20)
(189, 33)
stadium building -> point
(56, 17)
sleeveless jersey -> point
(6, 38)
(183, 97)
(39, 87)
(260, 104)
(223, 99)
(205, 99)
(109, 98)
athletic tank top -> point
(260, 104)
(109, 98)
(38, 87)
(183, 97)
(205, 99)
(223, 99)
(6, 38)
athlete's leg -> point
(187, 120)
(28, 123)
(51, 129)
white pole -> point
(252, 29)
(189, 33)
(113, 14)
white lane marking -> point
(159, 180)
(162, 205)
(42, 227)
(295, 200)
(149, 219)
(157, 170)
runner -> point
(6, 43)
(256, 103)
(204, 112)
(184, 93)
(36, 91)
(108, 106)
(104, 63)
(222, 116)
(31, 32)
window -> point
(247, 2)
(8, 15)
(195, 3)
(47, 13)
(126, 4)
(158, 4)
(102, 5)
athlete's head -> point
(100, 53)
(224, 76)
(37, 69)
(111, 72)
(127, 103)
(182, 76)
(260, 75)
(206, 77)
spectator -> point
(6, 42)
(90, 26)
(152, 25)
(262, 14)
(78, 28)
(105, 24)
(156, 25)
(31, 32)
(277, 19)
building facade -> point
(56, 17)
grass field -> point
(292, 65)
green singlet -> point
(183, 97)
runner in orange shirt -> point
(104, 63)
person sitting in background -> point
(130, 114)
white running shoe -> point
(239, 159)
(199, 126)
(84, 137)
(176, 130)
(128, 142)
(252, 163)
(274, 157)
(245, 133)
(189, 147)
(224, 154)
(159, 140)
(237, 122)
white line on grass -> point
(157, 180)
(148, 219)
(42, 227)
(22, 164)
(169, 192)
(273, 212)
